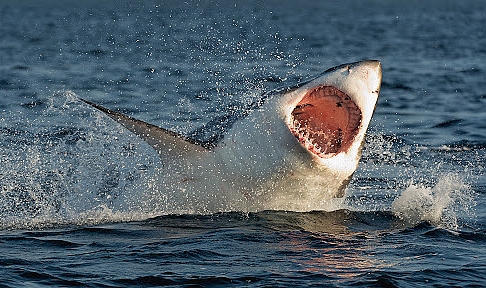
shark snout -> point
(372, 73)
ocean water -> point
(78, 202)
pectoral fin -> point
(165, 142)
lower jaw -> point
(311, 148)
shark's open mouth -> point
(326, 121)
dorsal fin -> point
(165, 142)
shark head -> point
(303, 143)
(330, 114)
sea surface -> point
(77, 201)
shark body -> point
(294, 149)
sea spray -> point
(70, 166)
(439, 205)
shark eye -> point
(326, 120)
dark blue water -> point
(78, 203)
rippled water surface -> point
(78, 200)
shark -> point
(295, 148)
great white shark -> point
(293, 149)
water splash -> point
(417, 183)
(69, 165)
(439, 205)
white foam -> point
(438, 205)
